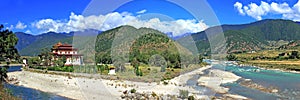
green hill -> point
(255, 36)
(128, 43)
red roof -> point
(66, 47)
(68, 54)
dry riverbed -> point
(94, 88)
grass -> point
(265, 53)
(54, 68)
(150, 73)
(271, 59)
(5, 94)
(284, 65)
(153, 74)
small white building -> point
(112, 70)
(24, 62)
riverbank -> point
(96, 88)
(270, 66)
(11, 64)
(216, 78)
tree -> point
(62, 61)
(294, 55)
(200, 57)
(3, 72)
(34, 61)
(231, 57)
(137, 71)
(163, 68)
(45, 56)
(8, 40)
(102, 68)
(120, 67)
(135, 63)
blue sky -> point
(39, 16)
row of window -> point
(66, 52)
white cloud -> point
(142, 11)
(11, 27)
(281, 8)
(177, 27)
(295, 15)
(239, 6)
(258, 11)
(20, 25)
(28, 32)
(115, 19)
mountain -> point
(128, 43)
(24, 40)
(248, 37)
(260, 35)
(33, 47)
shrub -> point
(153, 94)
(57, 68)
(141, 73)
(165, 83)
(68, 69)
(132, 91)
(231, 57)
(3, 72)
(172, 70)
(191, 98)
(163, 69)
(183, 94)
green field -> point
(275, 59)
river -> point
(288, 83)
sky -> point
(40, 16)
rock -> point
(150, 97)
(142, 98)
(274, 91)
(123, 96)
(238, 97)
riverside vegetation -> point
(273, 59)
(8, 40)
(284, 57)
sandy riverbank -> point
(11, 64)
(216, 78)
(95, 88)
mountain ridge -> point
(239, 37)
